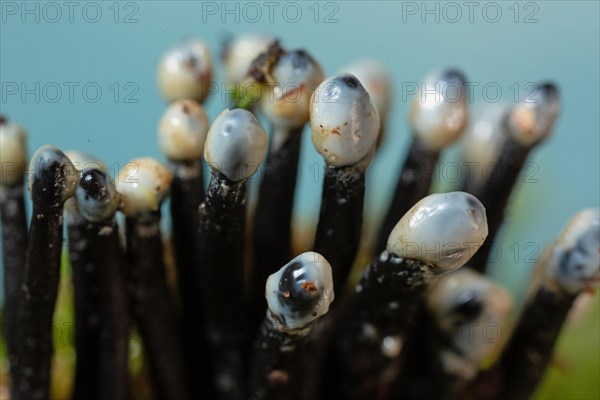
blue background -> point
(555, 40)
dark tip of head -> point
(471, 202)
(454, 75)
(468, 306)
(350, 81)
(93, 182)
(301, 59)
(2, 119)
(549, 89)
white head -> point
(13, 153)
(236, 144)
(290, 83)
(52, 177)
(240, 52)
(301, 291)
(376, 79)
(532, 119)
(343, 120)
(96, 195)
(484, 139)
(439, 111)
(574, 264)
(143, 183)
(471, 310)
(182, 131)
(185, 71)
(443, 229)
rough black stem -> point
(385, 304)
(14, 251)
(152, 307)
(495, 194)
(529, 350)
(413, 184)
(187, 193)
(108, 257)
(221, 246)
(37, 301)
(279, 367)
(86, 302)
(340, 221)
(422, 374)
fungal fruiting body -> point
(185, 71)
(101, 305)
(143, 184)
(344, 124)
(466, 315)
(13, 161)
(527, 124)
(569, 267)
(182, 132)
(343, 121)
(438, 116)
(437, 235)
(235, 148)
(297, 296)
(291, 80)
(52, 180)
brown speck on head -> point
(185, 108)
(260, 68)
(277, 377)
(309, 287)
(2, 119)
(157, 188)
(336, 131)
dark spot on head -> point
(297, 292)
(93, 182)
(191, 61)
(2, 119)
(300, 60)
(185, 108)
(453, 75)
(350, 81)
(468, 306)
(471, 202)
(157, 188)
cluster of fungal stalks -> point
(257, 320)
